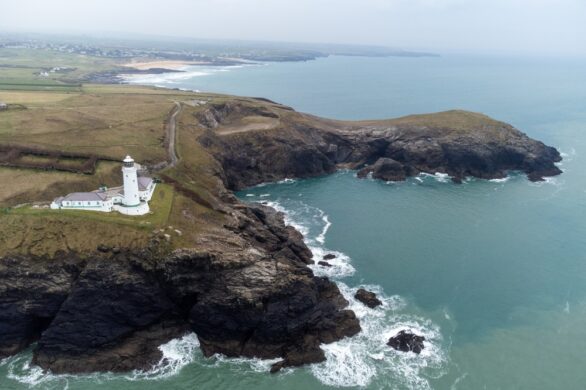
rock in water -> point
(324, 263)
(406, 341)
(278, 366)
(368, 298)
(385, 169)
(329, 256)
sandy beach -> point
(166, 64)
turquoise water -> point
(493, 273)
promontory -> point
(95, 291)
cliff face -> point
(248, 292)
(458, 143)
(244, 286)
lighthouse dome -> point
(128, 162)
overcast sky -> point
(552, 27)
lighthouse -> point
(130, 177)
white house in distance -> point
(130, 199)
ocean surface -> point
(492, 273)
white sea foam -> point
(321, 238)
(502, 180)
(287, 181)
(163, 79)
(458, 380)
(442, 177)
(187, 72)
(247, 364)
(21, 370)
(438, 176)
(547, 181)
(177, 353)
(569, 154)
(301, 219)
(365, 359)
(340, 265)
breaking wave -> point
(177, 353)
(187, 73)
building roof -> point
(144, 182)
(85, 196)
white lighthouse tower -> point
(130, 177)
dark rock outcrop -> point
(244, 292)
(114, 318)
(406, 341)
(324, 263)
(31, 294)
(368, 298)
(386, 169)
(329, 256)
(458, 143)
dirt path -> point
(171, 134)
(259, 123)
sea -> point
(491, 272)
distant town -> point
(214, 52)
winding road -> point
(172, 135)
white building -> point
(130, 199)
(3, 106)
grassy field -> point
(21, 69)
(108, 122)
(30, 185)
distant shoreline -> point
(164, 64)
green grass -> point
(7, 86)
(20, 68)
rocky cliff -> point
(247, 293)
(243, 284)
(458, 143)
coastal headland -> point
(98, 292)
